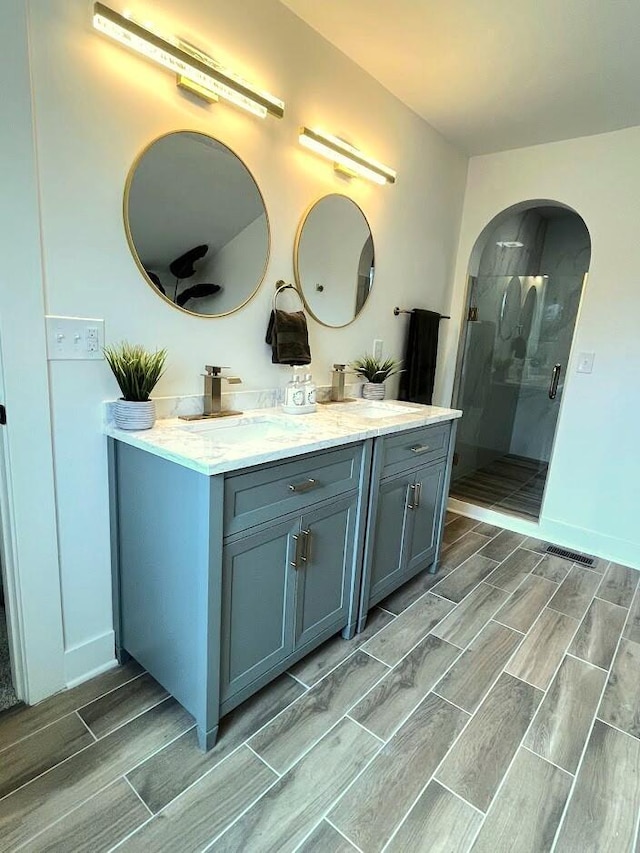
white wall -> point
(96, 106)
(593, 491)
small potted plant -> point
(375, 371)
(137, 373)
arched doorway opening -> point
(526, 276)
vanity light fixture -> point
(195, 70)
(345, 157)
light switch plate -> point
(74, 338)
(377, 348)
(585, 362)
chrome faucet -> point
(213, 394)
(337, 384)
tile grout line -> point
(582, 660)
(373, 657)
(348, 840)
(264, 760)
(130, 719)
(589, 733)
(457, 796)
(498, 622)
(86, 725)
(299, 681)
(544, 757)
(109, 692)
(617, 728)
(128, 782)
(362, 726)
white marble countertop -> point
(266, 435)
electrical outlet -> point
(377, 348)
(585, 362)
(74, 338)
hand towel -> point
(421, 350)
(288, 338)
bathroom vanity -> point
(242, 544)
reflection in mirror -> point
(334, 260)
(196, 223)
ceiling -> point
(496, 74)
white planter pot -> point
(129, 414)
(373, 390)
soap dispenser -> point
(294, 395)
(310, 392)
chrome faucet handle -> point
(213, 370)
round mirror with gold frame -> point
(334, 260)
(197, 224)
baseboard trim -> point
(89, 659)
(558, 533)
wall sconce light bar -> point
(211, 80)
(345, 157)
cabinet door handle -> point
(418, 495)
(411, 489)
(420, 448)
(555, 378)
(295, 538)
(305, 556)
(303, 487)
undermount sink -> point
(377, 410)
(234, 430)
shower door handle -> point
(555, 378)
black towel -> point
(287, 335)
(417, 380)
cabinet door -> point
(258, 586)
(326, 567)
(391, 531)
(427, 501)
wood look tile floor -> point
(494, 707)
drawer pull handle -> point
(420, 448)
(411, 491)
(305, 556)
(303, 487)
(418, 495)
(296, 551)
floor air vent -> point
(574, 556)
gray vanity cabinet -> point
(409, 486)
(223, 582)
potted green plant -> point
(374, 371)
(137, 372)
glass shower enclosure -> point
(510, 383)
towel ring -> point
(282, 286)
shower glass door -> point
(514, 364)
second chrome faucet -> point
(213, 394)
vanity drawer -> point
(275, 490)
(415, 447)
